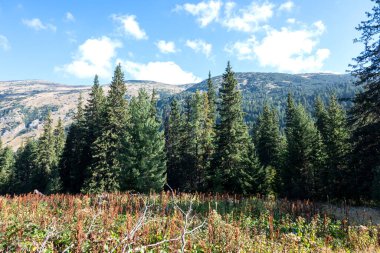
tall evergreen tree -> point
(305, 153)
(47, 160)
(25, 178)
(94, 120)
(105, 170)
(72, 170)
(144, 165)
(270, 149)
(211, 97)
(201, 133)
(173, 134)
(6, 169)
(365, 115)
(59, 139)
(338, 149)
(268, 137)
(321, 117)
(234, 161)
(187, 147)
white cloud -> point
(287, 6)
(248, 19)
(37, 25)
(166, 47)
(165, 72)
(243, 50)
(206, 12)
(4, 43)
(130, 26)
(200, 46)
(285, 49)
(291, 21)
(70, 17)
(93, 57)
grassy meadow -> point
(174, 222)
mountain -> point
(260, 88)
(24, 104)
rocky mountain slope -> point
(24, 104)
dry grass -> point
(181, 223)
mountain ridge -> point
(24, 103)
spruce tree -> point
(270, 146)
(211, 97)
(201, 133)
(338, 149)
(187, 147)
(94, 120)
(365, 115)
(175, 173)
(305, 153)
(72, 170)
(104, 172)
(234, 162)
(47, 160)
(321, 117)
(6, 169)
(268, 138)
(144, 164)
(25, 178)
(59, 139)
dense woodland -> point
(202, 143)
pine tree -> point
(338, 149)
(6, 169)
(234, 161)
(187, 147)
(321, 117)
(201, 133)
(173, 134)
(365, 115)
(270, 146)
(211, 97)
(268, 137)
(305, 153)
(59, 139)
(25, 178)
(94, 120)
(144, 165)
(104, 171)
(47, 160)
(72, 167)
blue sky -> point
(175, 41)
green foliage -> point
(25, 172)
(337, 148)
(47, 160)
(234, 163)
(7, 161)
(104, 172)
(72, 170)
(305, 153)
(144, 165)
(173, 133)
(365, 115)
(228, 223)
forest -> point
(200, 144)
(202, 173)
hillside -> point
(24, 103)
(259, 88)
